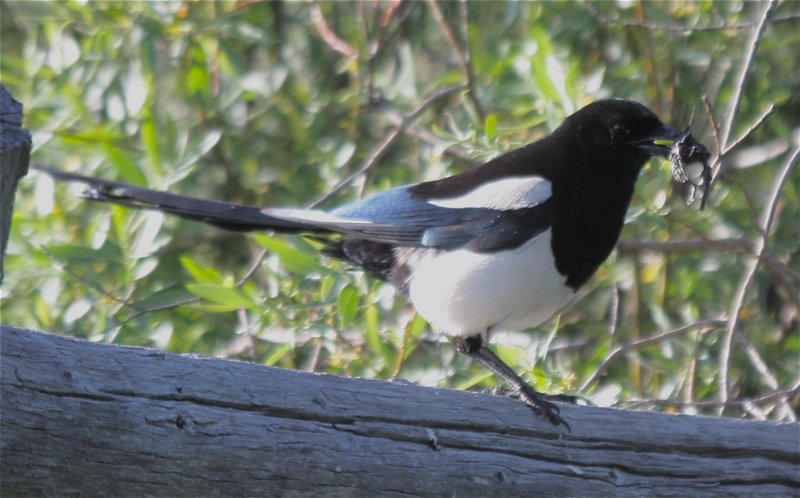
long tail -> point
(221, 214)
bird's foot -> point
(473, 346)
(547, 409)
(571, 399)
(541, 404)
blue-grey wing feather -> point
(394, 217)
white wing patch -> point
(507, 193)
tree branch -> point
(760, 248)
(387, 142)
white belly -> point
(466, 293)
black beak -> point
(663, 134)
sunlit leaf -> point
(200, 273)
(490, 126)
(291, 258)
(347, 305)
(125, 165)
(226, 297)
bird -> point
(499, 247)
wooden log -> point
(106, 420)
(15, 153)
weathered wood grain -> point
(95, 419)
(15, 152)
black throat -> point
(590, 204)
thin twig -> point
(714, 127)
(624, 348)
(733, 245)
(765, 374)
(691, 374)
(738, 246)
(123, 301)
(426, 135)
(758, 122)
(325, 32)
(784, 393)
(382, 147)
(681, 28)
(613, 312)
(759, 248)
(375, 47)
(732, 179)
(467, 56)
(462, 52)
(254, 266)
(738, 89)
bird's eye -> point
(619, 130)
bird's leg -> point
(476, 349)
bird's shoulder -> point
(536, 162)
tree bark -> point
(80, 418)
(15, 153)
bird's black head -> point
(621, 130)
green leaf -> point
(201, 273)
(165, 298)
(542, 78)
(150, 141)
(209, 140)
(490, 126)
(474, 380)
(227, 298)
(372, 328)
(291, 258)
(122, 162)
(279, 353)
(107, 252)
(349, 299)
(418, 325)
(326, 286)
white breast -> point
(465, 293)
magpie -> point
(502, 246)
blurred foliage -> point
(276, 103)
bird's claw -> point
(547, 409)
(541, 404)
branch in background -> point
(719, 153)
(122, 301)
(384, 145)
(462, 51)
(326, 33)
(712, 120)
(251, 270)
(777, 395)
(620, 350)
(753, 127)
(736, 245)
(426, 135)
(739, 246)
(738, 89)
(679, 28)
(760, 249)
(376, 46)
(767, 377)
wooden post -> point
(15, 152)
(106, 420)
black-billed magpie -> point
(502, 246)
